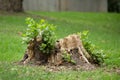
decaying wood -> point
(72, 44)
(67, 44)
(30, 51)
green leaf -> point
(85, 33)
(42, 29)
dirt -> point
(67, 66)
(113, 70)
(73, 67)
(62, 67)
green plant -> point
(43, 31)
(96, 54)
(48, 37)
(67, 57)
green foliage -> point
(97, 55)
(48, 37)
(42, 30)
(67, 57)
(31, 32)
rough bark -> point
(72, 44)
(11, 5)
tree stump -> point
(68, 50)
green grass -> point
(104, 31)
(14, 72)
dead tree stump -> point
(70, 48)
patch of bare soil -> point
(73, 67)
(113, 70)
(62, 67)
(68, 66)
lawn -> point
(104, 31)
